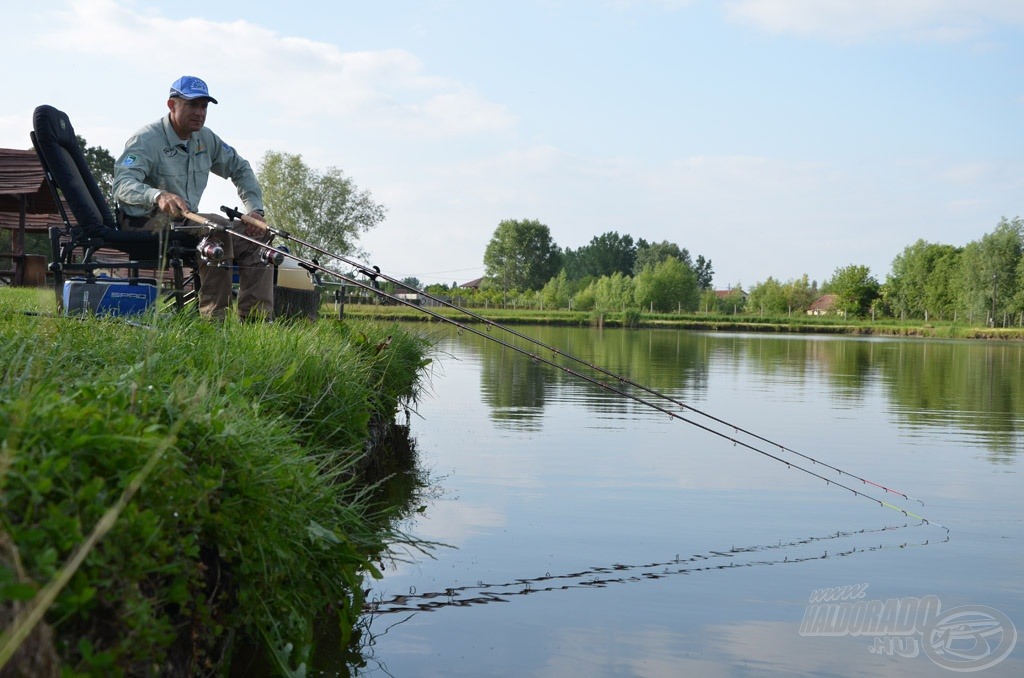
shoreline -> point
(632, 319)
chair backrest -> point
(65, 165)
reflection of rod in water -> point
(482, 593)
(313, 265)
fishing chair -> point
(75, 247)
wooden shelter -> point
(26, 206)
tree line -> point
(524, 267)
(613, 272)
(981, 282)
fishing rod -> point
(270, 251)
(374, 272)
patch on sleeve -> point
(130, 160)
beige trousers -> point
(255, 278)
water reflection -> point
(836, 545)
(660, 550)
(515, 388)
(976, 387)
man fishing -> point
(161, 176)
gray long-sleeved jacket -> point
(155, 160)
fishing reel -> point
(210, 252)
(269, 257)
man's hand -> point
(253, 230)
(171, 203)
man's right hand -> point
(171, 203)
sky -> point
(776, 138)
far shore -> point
(797, 324)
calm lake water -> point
(587, 534)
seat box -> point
(109, 296)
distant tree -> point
(412, 283)
(585, 299)
(702, 267)
(667, 286)
(1018, 297)
(768, 298)
(326, 209)
(439, 289)
(572, 265)
(923, 280)
(522, 255)
(709, 302)
(941, 290)
(731, 302)
(800, 294)
(772, 297)
(855, 289)
(648, 254)
(101, 164)
(989, 270)
(606, 254)
(613, 292)
(557, 292)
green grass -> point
(170, 484)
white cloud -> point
(300, 79)
(853, 20)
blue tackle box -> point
(109, 296)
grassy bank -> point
(703, 322)
(171, 487)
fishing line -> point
(312, 265)
(366, 270)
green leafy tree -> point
(649, 254)
(557, 292)
(439, 289)
(521, 254)
(941, 292)
(101, 164)
(855, 289)
(702, 267)
(326, 208)
(989, 271)
(1018, 297)
(667, 286)
(799, 294)
(606, 254)
(585, 299)
(923, 280)
(768, 298)
(732, 302)
(613, 293)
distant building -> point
(726, 294)
(472, 284)
(410, 297)
(822, 305)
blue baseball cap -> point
(190, 87)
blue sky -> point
(774, 137)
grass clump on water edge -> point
(166, 488)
